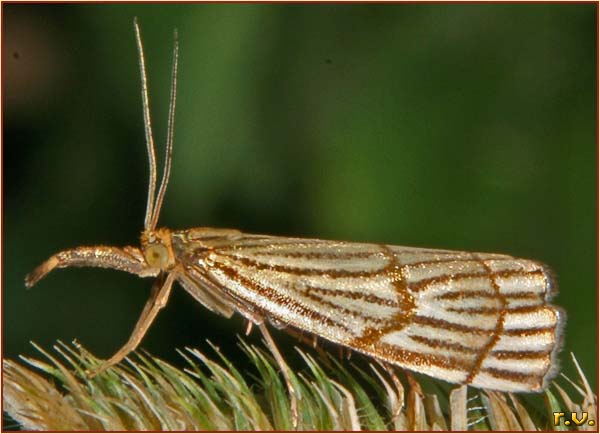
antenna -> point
(147, 128)
(169, 146)
(154, 202)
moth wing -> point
(206, 294)
(481, 319)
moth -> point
(480, 319)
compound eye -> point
(157, 256)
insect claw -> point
(249, 328)
(91, 373)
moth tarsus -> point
(467, 318)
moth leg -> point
(285, 370)
(158, 300)
(129, 259)
(249, 328)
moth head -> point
(157, 248)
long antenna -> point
(147, 128)
(169, 146)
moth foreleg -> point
(129, 259)
(285, 370)
(158, 300)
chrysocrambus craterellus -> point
(468, 318)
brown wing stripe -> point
(356, 313)
(355, 295)
(445, 325)
(440, 344)
(494, 310)
(517, 355)
(269, 243)
(363, 254)
(313, 255)
(406, 357)
(520, 377)
(530, 331)
(497, 330)
(456, 295)
(280, 299)
(410, 266)
(406, 303)
(456, 277)
(352, 255)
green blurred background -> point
(468, 127)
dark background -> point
(468, 127)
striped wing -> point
(473, 318)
